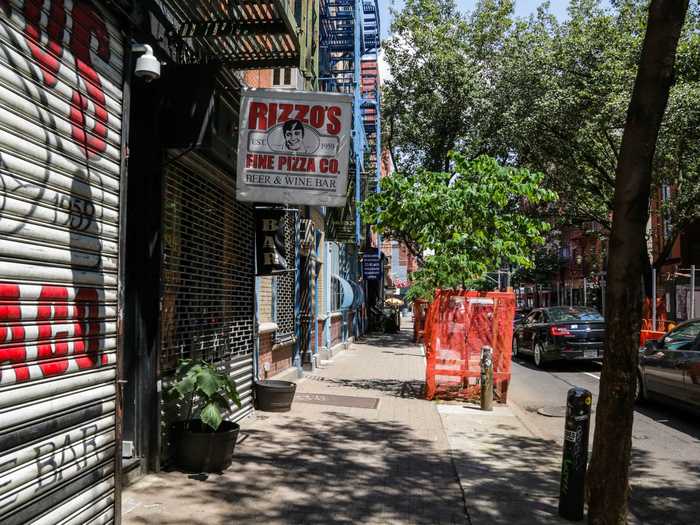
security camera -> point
(147, 65)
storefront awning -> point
(348, 295)
(359, 295)
(239, 34)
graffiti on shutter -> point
(60, 162)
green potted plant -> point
(204, 443)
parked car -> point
(670, 366)
(520, 315)
(560, 333)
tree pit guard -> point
(420, 309)
(458, 324)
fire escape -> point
(349, 43)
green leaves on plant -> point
(211, 415)
(185, 387)
(213, 390)
(208, 382)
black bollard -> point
(486, 378)
(573, 468)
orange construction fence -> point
(420, 309)
(648, 335)
(458, 324)
(663, 325)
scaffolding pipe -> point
(379, 161)
(357, 114)
(571, 294)
(653, 299)
(692, 291)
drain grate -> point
(336, 401)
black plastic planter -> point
(198, 449)
(274, 396)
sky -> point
(522, 8)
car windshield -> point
(574, 314)
(686, 331)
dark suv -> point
(560, 333)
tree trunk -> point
(608, 475)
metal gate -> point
(60, 165)
(208, 274)
(307, 290)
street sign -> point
(371, 267)
(269, 241)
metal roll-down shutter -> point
(208, 274)
(60, 165)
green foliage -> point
(472, 219)
(200, 382)
(438, 60)
(537, 93)
(562, 92)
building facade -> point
(123, 249)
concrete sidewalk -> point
(407, 461)
(509, 474)
(321, 464)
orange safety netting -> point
(647, 332)
(420, 309)
(458, 324)
(649, 335)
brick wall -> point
(265, 299)
(336, 330)
(279, 357)
(259, 78)
(321, 340)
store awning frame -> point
(238, 34)
(348, 292)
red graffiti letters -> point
(47, 47)
(47, 331)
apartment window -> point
(336, 294)
(282, 77)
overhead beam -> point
(224, 28)
(258, 63)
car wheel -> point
(515, 347)
(537, 355)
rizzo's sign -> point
(293, 147)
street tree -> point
(608, 475)
(469, 220)
(561, 93)
(547, 95)
(439, 61)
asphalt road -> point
(666, 441)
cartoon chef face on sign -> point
(293, 131)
